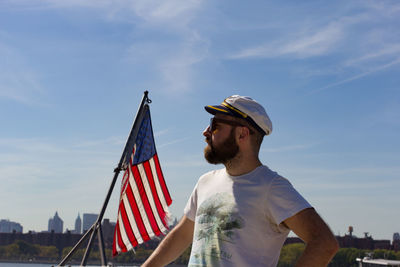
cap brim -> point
(217, 109)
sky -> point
(72, 75)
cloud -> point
(46, 176)
(188, 163)
(18, 81)
(384, 8)
(152, 11)
(32, 167)
(113, 141)
(388, 51)
(173, 142)
(373, 70)
(306, 44)
(42, 147)
(177, 68)
(357, 46)
(338, 175)
(161, 132)
(287, 148)
(362, 41)
(157, 11)
(37, 160)
(348, 186)
(172, 62)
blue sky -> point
(72, 74)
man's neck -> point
(241, 165)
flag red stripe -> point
(136, 214)
(150, 178)
(119, 240)
(162, 181)
(145, 200)
(127, 226)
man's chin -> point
(211, 160)
(209, 155)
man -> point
(242, 214)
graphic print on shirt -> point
(217, 219)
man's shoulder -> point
(263, 175)
(211, 174)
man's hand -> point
(321, 244)
(173, 245)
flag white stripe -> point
(139, 203)
(124, 237)
(117, 248)
(150, 196)
(158, 186)
(132, 220)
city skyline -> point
(173, 221)
(79, 224)
(72, 74)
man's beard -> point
(222, 153)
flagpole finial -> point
(148, 100)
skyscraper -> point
(88, 220)
(56, 224)
(6, 226)
(78, 225)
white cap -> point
(246, 108)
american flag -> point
(144, 200)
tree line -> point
(344, 257)
(24, 251)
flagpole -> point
(121, 165)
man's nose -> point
(207, 131)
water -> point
(6, 264)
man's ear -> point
(244, 132)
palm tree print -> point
(217, 220)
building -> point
(60, 240)
(108, 228)
(396, 236)
(55, 224)
(367, 242)
(6, 226)
(78, 225)
(396, 242)
(88, 220)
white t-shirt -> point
(238, 218)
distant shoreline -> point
(52, 263)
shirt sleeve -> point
(283, 200)
(191, 206)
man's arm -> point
(321, 244)
(173, 245)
